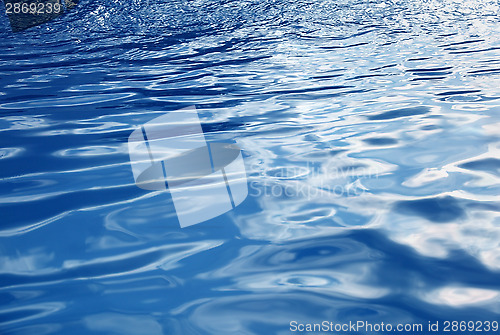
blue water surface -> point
(371, 138)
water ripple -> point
(370, 134)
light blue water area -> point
(370, 135)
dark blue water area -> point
(370, 134)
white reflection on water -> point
(123, 324)
(19, 122)
(10, 152)
(34, 261)
(343, 282)
(66, 101)
(462, 296)
(36, 311)
(164, 257)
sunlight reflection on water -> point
(370, 134)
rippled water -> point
(370, 132)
